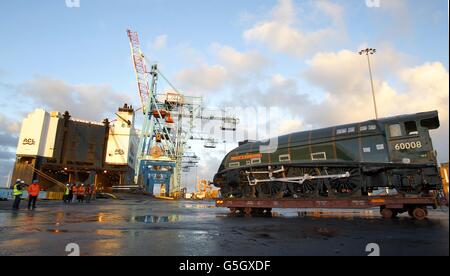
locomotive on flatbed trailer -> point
(341, 161)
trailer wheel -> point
(248, 211)
(257, 211)
(419, 213)
(388, 213)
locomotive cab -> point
(409, 138)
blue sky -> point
(88, 46)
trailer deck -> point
(390, 206)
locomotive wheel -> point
(308, 188)
(248, 191)
(225, 191)
(345, 186)
(409, 184)
(273, 190)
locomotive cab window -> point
(431, 123)
(411, 128)
(395, 130)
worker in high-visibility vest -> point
(66, 193)
(33, 192)
(81, 193)
(17, 193)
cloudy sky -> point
(282, 66)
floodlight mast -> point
(368, 52)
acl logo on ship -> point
(28, 142)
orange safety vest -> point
(34, 190)
(81, 191)
(74, 190)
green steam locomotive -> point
(348, 160)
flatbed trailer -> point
(390, 206)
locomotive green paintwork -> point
(390, 152)
(368, 141)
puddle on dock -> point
(199, 206)
(57, 231)
(340, 214)
(159, 219)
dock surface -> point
(138, 225)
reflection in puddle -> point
(342, 214)
(57, 231)
(157, 219)
(312, 213)
(199, 206)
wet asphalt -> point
(138, 225)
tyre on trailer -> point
(420, 213)
(248, 211)
(388, 213)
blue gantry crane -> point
(169, 120)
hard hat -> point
(67, 184)
(22, 182)
(35, 181)
(82, 184)
(17, 181)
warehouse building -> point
(57, 148)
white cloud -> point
(9, 125)
(288, 126)
(90, 102)
(332, 10)
(251, 62)
(232, 68)
(344, 79)
(202, 79)
(280, 34)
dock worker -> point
(33, 192)
(81, 193)
(17, 193)
(74, 192)
(66, 193)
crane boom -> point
(140, 69)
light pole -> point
(368, 52)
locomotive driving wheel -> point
(273, 190)
(308, 188)
(345, 186)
